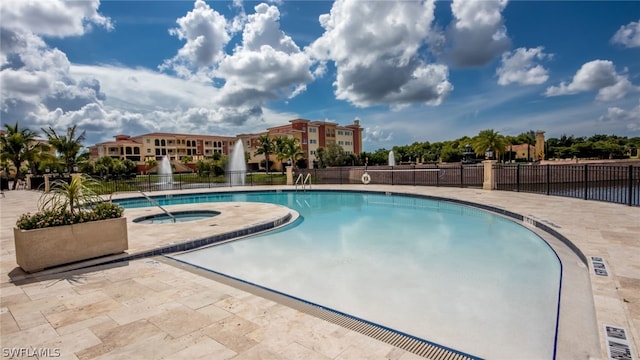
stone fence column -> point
(489, 182)
(47, 183)
(289, 175)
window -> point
(136, 150)
(158, 152)
(249, 143)
(157, 142)
(148, 141)
(304, 141)
(312, 152)
(163, 143)
(312, 130)
(313, 141)
(148, 151)
(207, 143)
(128, 150)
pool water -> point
(453, 275)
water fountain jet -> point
(237, 166)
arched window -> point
(163, 143)
(157, 142)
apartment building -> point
(310, 135)
(156, 145)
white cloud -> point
(267, 65)
(376, 135)
(519, 66)
(628, 35)
(375, 47)
(55, 18)
(596, 75)
(205, 33)
(630, 118)
(477, 34)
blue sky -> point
(409, 70)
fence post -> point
(437, 175)
(392, 175)
(517, 177)
(586, 181)
(630, 186)
(548, 179)
(461, 176)
(489, 182)
(414, 175)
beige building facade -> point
(310, 135)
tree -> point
(150, 163)
(290, 150)
(186, 159)
(18, 146)
(68, 146)
(266, 147)
(320, 154)
(334, 155)
(489, 140)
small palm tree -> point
(72, 196)
(489, 140)
(68, 146)
(18, 146)
(265, 147)
(291, 150)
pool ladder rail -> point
(158, 205)
(304, 182)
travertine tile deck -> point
(148, 309)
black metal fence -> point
(617, 183)
(611, 183)
(421, 175)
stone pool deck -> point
(150, 309)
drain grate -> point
(403, 341)
(599, 267)
(618, 347)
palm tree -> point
(72, 196)
(265, 147)
(489, 140)
(18, 145)
(68, 146)
(290, 150)
(320, 155)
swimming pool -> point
(454, 275)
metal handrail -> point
(158, 205)
(303, 181)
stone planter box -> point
(38, 249)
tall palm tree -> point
(265, 147)
(68, 146)
(489, 140)
(18, 146)
(290, 150)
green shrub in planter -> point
(69, 203)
